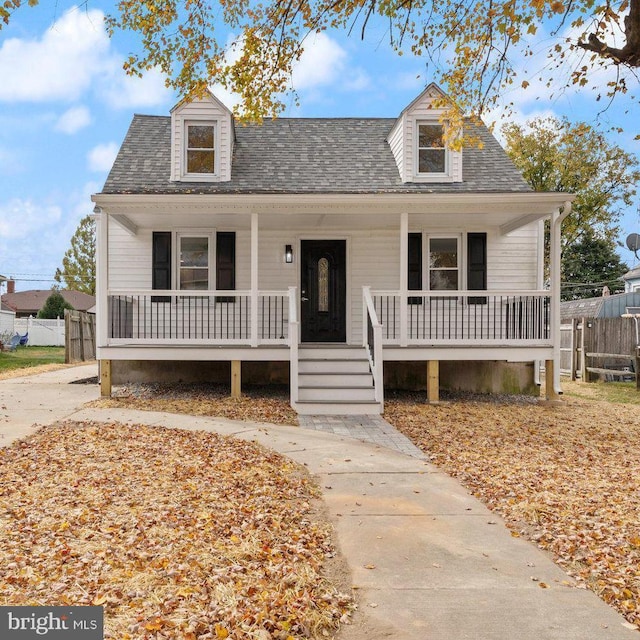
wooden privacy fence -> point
(80, 336)
(593, 348)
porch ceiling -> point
(505, 211)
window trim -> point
(202, 177)
(418, 176)
(210, 256)
(444, 236)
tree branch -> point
(628, 55)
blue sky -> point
(66, 104)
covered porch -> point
(261, 322)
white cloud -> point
(25, 218)
(125, 92)
(228, 98)
(58, 66)
(73, 57)
(34, 234)
(101, 157)
(322, 62)
(73, 120)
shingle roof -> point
(303, 155)
(632, 274)
(612, 306)
(33, 300)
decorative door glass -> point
(323, 284)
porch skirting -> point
(218, 372)
(475, 376)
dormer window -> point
(432, 153)
(200, 149)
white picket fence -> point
(42, 333)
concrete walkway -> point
(428, 561)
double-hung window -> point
(444, 264)
(431, 152)
(194, 262)
(200, 148)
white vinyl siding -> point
(512, 259)
(395, 140)
(372, 259)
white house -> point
(343, 254)
(632, 280)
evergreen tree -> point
(79, 263)
(588, 266)
(54, 306)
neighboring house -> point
(612, 306)
(7, 319)
(28, 303)
(632, 280)
(340, 254)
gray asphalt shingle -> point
(303, 155)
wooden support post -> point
(584, 346)
(550, 392)
(574, 349)
(105, 378)
(236, 379)
(638, 368)
(433, 381)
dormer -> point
(417, 141)
(202, 136)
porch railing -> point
(212, 317)
(373, 342)
(460, 317)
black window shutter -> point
(226, 263)
(477, 265)
(161, 258)
(414, 281)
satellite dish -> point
(633, 242)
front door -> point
(323, 289)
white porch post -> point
(554, 272)
(404, 275)
(102, 282)
(254, 279)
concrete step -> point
(337, 394)
(329, 408)
(330, 379)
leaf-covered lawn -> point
(177, 534)
(566, 477)
(257, 404)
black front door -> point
(323, 289)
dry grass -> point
(32, 371)
(177, 534)
(257, 404)
(566, 477)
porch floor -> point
(374, 429)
